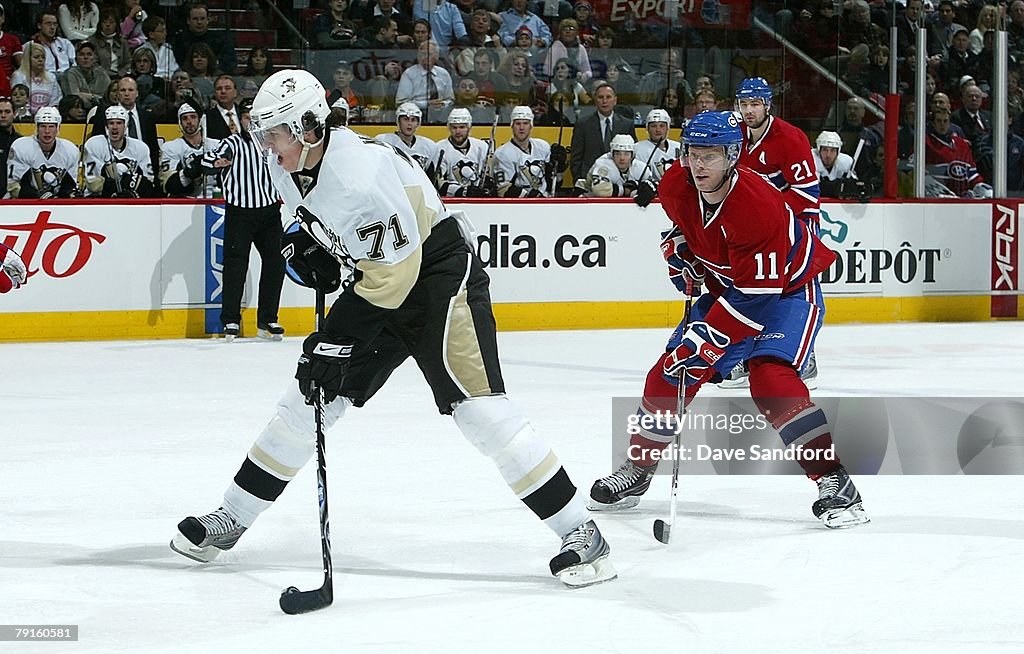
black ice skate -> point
(621, 489)
(231, 331)
(583, 559)
(838, 504)
(204, 538)
(271, 331)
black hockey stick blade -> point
(662, 531)
(294, 601)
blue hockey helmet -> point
(709, 129)
(755, 87)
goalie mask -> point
(294, 102)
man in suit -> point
(222, 118)
(974, 120)
(139, 125)
(592, 135)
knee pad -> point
(775, 387)
(289, 439)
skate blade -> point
(597, 571)
(742, 382)
(811, 383)
(228, 338)
(267, 336)
(190, 550)
(851, 516)
(621, 505)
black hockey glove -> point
(322, 366)
(490, 187)
(474, 192)
(629, 188)
(307, 263)
(194, 168)
(534, 193)
(646, 191)
(559, 157)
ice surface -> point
(106, 446)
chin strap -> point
(306, 147)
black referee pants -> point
(244, 228)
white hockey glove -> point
(12, 270)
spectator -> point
(583, 12)
(620, 75)
(491, 85)
(44, 91)
(941, 29)
(131, 26)
(876, 77)
(592, 135)
(426, 84)
(381, 91)
(521, 82)
(112, 52)
(854, 121)
(387, 9)
(974, 120)
(155, 29)
(78, 19)
(670, 100)
(420, 32)
(335, 29)
(343, 87)
(201, 65)
(1015, 31)
(10, 57)
(19, 98)
(60, 52)
(183, 90)
(72, 110)
(564, 83)
(257, 69)
(7, 137)
(517, 16)
(480, 37)
(524, 43)
(86, 80)
(958, 62)
(940, 102)
(668, 75)
(704, 100)
(384, 35)
(222, 118)
(857, 29)
(467, 96)
(988, 16)
(949, 157)
(983, 153)
(569, 47)
(817, 31)
(152, 89)
(1014, 94)
(220, 42)
(906, 29)
(446, 26)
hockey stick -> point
(663, 528)
(294, 601)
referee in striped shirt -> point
(252, 216)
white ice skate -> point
(204, 538)
(583, 559)
(271, 331)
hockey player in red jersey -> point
(761, 266)
(13, 273)
(781, 153)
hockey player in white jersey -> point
(523, 165)
(657, 151)
(117, 165)
(423, 150)
(615, 174)
(463, 158)
(181, 171)
(833, 166)
(339, 114)
(45, 166)
(416, 289)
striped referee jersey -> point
(246, 182)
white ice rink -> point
(106, 446)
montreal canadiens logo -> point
(732, 120)
(958, 170)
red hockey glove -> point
(701, 348)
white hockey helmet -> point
(522, 112)
(48, 116)
(658, 116)
(116, 112)
(186, 108)
(295, 99)
(828, 140)
(340, 103)
(621, 143)
(409, 109)
(460, 116)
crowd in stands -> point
(490, 57)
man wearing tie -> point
(222, 117)
(426, 84)
(139, 124)
(975, 121)
(593, 134)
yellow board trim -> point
(189, 323)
